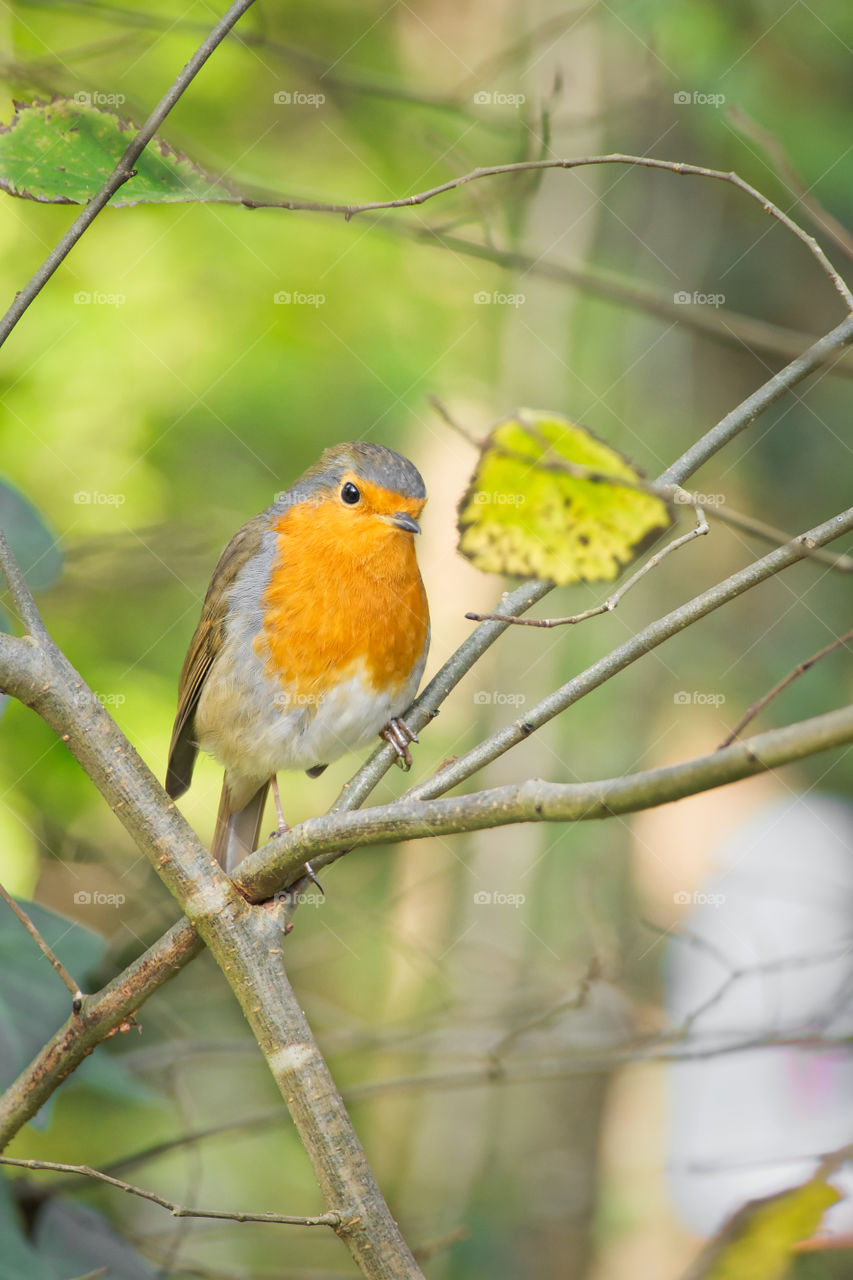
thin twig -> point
(428, 1250)
(750, 408)
(177, 1211)
(722, 325)
(454, 423)
(771, 145)
(607, 606)
(123, 171)
(525, 166)
(799, 669)
(623, 655)
(60, 968)
(22, 598)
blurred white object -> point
(766, 953)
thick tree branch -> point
(538, 801)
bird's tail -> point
(236, 833)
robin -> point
(312, 639)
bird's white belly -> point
(255, 729)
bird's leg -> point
(398, 733)
(282, 828)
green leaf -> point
(33, 544)
(757, 1242)
(61, 151)
(18, 1258)
(68, 1241)
(525, 515)
(77, 1241)
(33, 999)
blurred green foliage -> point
(157, 394)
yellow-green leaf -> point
(757, 1242)
(543, 503)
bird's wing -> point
(203, 649)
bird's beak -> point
(402, 520)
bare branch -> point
(607, 606)
(526, 166)
(640, 644)
(772, 146)
(766, 395)
(799, 669)
(177, 1210)
(325, 839)
(730, 328)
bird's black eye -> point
(350, 494)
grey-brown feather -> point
(204, 646)
(236, 833)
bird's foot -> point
(309, 871)
(398, 733)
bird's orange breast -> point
(344, 595)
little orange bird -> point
(313, 636)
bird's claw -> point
(309, 871)
(398, 733)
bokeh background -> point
(496, 1007)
